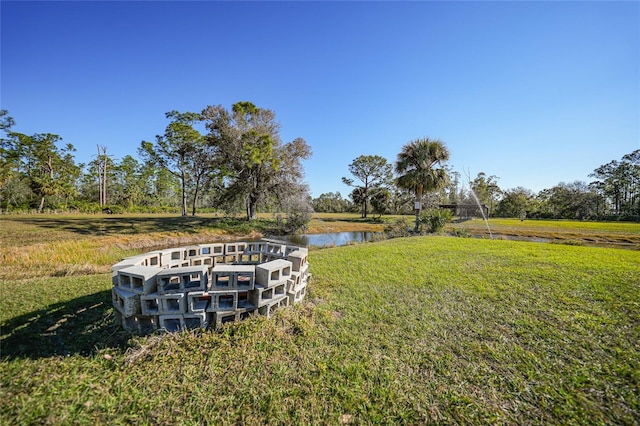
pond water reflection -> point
(329, 239)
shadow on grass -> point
(119, 225)
(77, 327)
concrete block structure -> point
(207, 285)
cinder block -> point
(243, 314)
(202, 260)
(212, 249)
(150, 304)
(192, 251)
(163, 256)
(291, 249)
(249, 259)
(198, 301)
(171, 323)
(171, 304)
(261, 295)
(297, 295)
(137, 324)
(284, 302)
(243, 300)
(230, 259)
(174, 280)
(235, 248)
(126, 302)
(177, 264)
(173, 255)
(196, 321)
(276, 249)
(298, 260)
(138, 279)
(273, 273)
(220, 318)
(256, 247)
(223, 301)
(298, 278)
(270, 308)
(128, 262)
(233, 277)
(147, 324)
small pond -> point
(329, 239)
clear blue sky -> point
(535, 93)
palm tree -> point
(416, 167)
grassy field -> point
(418, 330)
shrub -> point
(435, 219)
(398, 228)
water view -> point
(330, 239)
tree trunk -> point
(195, 202)
(183, 179)
(252, 211)
(41, 205)
(418, 208)
(104, 179)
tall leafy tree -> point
(516, 202)
(180, 151)
(331, 202)
(619, 182)
(8, 160)
(256, 164)
(575, 200)
(374, 173)
(420, 169)
(486, 189)
(50, 171)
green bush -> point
(435, 219)
(398, 228)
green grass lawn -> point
(418, 330)
(606, 234)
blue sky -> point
(535, 93)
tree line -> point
(614, 194)
(239, 164)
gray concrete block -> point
(198, 301)
(223, 301)
(232, 277)
(235, 248)
(196, 321)
(172, 304)
(261, 295)
(276, 250)
(274, 272)
(171, 323)
(202, 260)
(138, 279)
(270, 308)
(244, 301)
(175, 280)
(174, 264)
(150, 304)
(257, 247)
(192, 251)
(126, 302)
(216, 249)
(298, 260)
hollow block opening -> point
(225, 302)
(173, 305)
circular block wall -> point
(207, 285)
